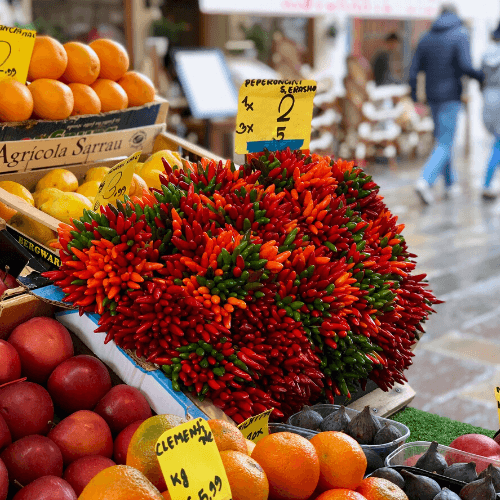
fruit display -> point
(74, 79)
(7, 281)
(276, 284)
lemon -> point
(137, 186)
(96, 174)
(32, 228)
(59, 178)
(152, 178)
(89, 188)
(154, 162)
(46, 194)
(17, 189)
(138, 166)
(66, 207)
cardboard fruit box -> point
(80, 139)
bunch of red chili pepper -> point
(274, 284)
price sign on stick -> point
(116, 182)
(497, 396)
(255, 428)
(274, 115)
(16, 47)
(191, 464)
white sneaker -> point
(423, 189)
(454, 191)
(489, 194)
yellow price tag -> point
(116, 182)
(16, 47)
(255, 428)
(497, 396)
(191, 463)
(274, 115)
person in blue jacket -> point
(444, 55)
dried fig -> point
(462, 472)
(446, 494)
(494, 472)
(363, 427)
(391, 475)
(308, 419)
(420, 487)
(432, 460)
(482, 489)
(337, 421)
(387, 434)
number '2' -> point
(284, 117)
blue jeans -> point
(493, 163)
(444, 115)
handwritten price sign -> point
(497, 396)
(274, 115)
(191, 464)
(115, 184)
(16, 47)
(256, 427)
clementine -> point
(139, 88)
(86, 100)
(120, 482)
(113, 58)
(83, 64)
(341, 458)
(16, 103)
(111, 95)
(141, 452)
(227, 436)
(250, 447)
(48, 60)
(17, 189)
(377, 488)
(166, 495)
(291, 464)
(247, 479)
(52, 100)
(340, 494)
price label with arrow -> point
(274, 115)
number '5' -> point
(202, 495)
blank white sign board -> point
(207, 84)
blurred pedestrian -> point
(444, 55)
(383, 62)
(491, 107)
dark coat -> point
(444, 55)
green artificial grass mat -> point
(429, 427)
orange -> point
(52, 100)
(290, 463)
(83, 64)
(16, 102)
(377, 488)
(49, 59)
(137, 186)
(227, 436)
(340, 494)
(113, 58)
(86, 100)
(341, 458)
(111, 95)
(250, 447)
(247, 479)
(166, 495)
(19, 190)
(139, 88)
(120, 482)
(141, 450)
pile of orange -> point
(74, 79)
(281, 466)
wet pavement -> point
(457, 362)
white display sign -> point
(355, 8)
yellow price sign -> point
(116, 182)
(16, 47)
(191, 463)
(255, 428)
(497, 396)
(274, 115)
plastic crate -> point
(381, 449)
(409, 453)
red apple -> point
(5, 437)
(47, 488)
(10, 367)
(82, 433)
(42, 344)
(32, 457)
(122, 441)
(26, 408)
(8, 279)
(4, 481)
(121, 406)
(81, 471)
(79, 383)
